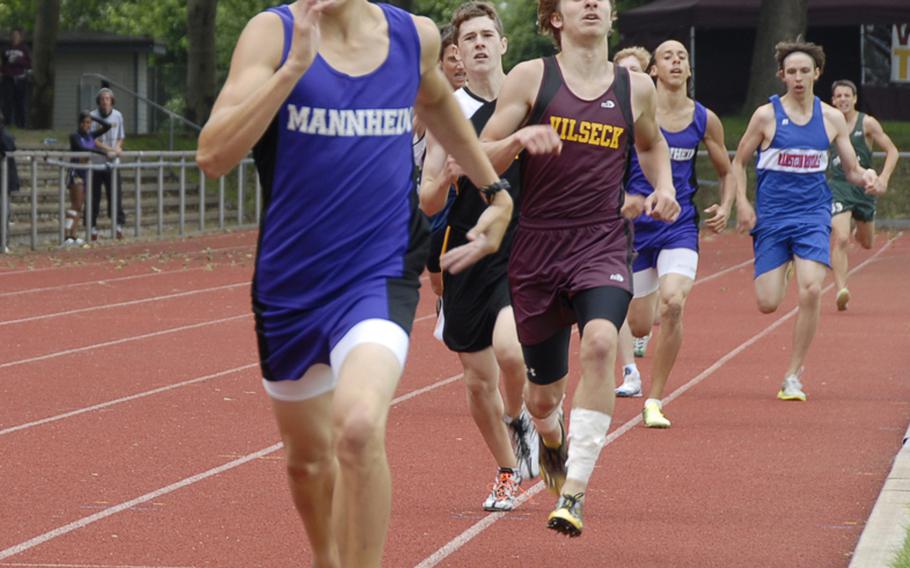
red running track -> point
(134, 431)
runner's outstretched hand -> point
(745, 216)
(539, 139)
(633, 205)
(662, 205)
(484, 238)
(719, 216)
(873, 184)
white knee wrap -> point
(587, 435)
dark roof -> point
(662, 15)
(94, 41)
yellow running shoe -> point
(792, 389)
(566, 518)
(843, 296)
(653, 416)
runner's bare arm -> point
(256, 86)
(652, 149)
(760, 129)
(435, 178)
(855, 174)
(874, 129)
(504, 137)
(440, 112)
(717, 152)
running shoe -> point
(566, 518)
(653, 415)
(525, 443)
(504, 492)
(843, 296)
(640, 345)
(553, 460)
(69, 242)
(792, 389)
(631, 383)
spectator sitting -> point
(82, 140)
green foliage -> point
(232, 17)
(16, 13)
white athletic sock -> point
(547, 426)
(631, 367)
(587, 435)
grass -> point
(34, 139)
(902, 560)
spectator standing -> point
(82, 140)
(111, 143)
(16, 66)
(7, 145)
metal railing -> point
(177, 193)
(166, 184)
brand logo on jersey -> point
(617, 278)
(349, 122)
(799, 161)
(585, 132)
(532, 372)
(682, 154)
(785, 122)
(607, 104)
(857, 133)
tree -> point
(778, 20)
(200, 64)
(44, 42)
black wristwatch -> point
(489, 192)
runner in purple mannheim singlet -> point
(667, 254)
(311, 269)
(327, 92)
(574, 118)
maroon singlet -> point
(571, 236)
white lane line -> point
(100, 282)
(43, 565)
(136, 396)
(119, 341)
(103, 514)
(124, 304)
(720, 273)
(462, 539)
